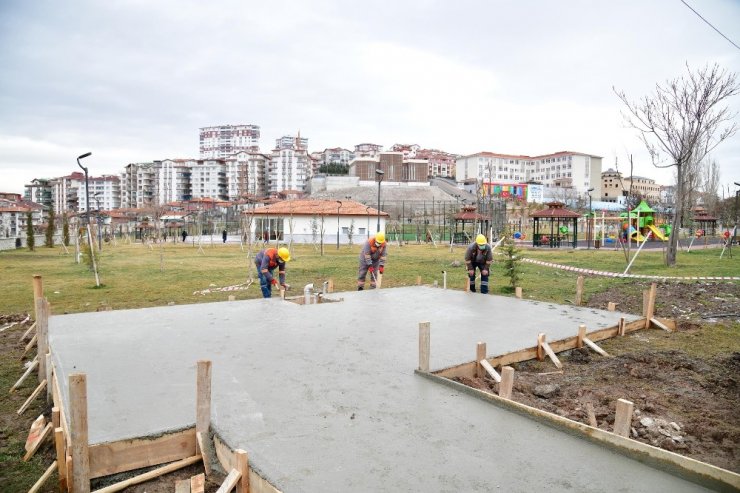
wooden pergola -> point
(705, 221)
(548, 223)
(468, 215)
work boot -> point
(360, 288)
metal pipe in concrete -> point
(444, 279)
(325, 287)
(307, 294)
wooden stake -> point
(37, 444)
(650, 305)
(467, 285)
(660, 325)
(379, 280)
(55, 417)
(579, 291)
(623, 418)
(151, 475)
(30, 344)
(182, 486)
(27, 332)
(70, 472)
(28, 371)
(518, 292)
(42, 331)
(418, 280)
(480, 354)
(232, 297)
(197, 483)
(78, 432)
(61, 456)
(581, 335)
(48, 377)
(203, 399)
(489, 369)
(540, 351)
(202, 449)
(593, 346)
(645, 295)
(242, 465)
(424, 345)
(31, 397)
(38, 288)
(330, 287)
(620, 327)
(230, 482)
(507, 382)
(549, 351)
(611, 306)
(40, 483)
(591, 415)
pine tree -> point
(30, 240)
(50, 229)
(512, 269)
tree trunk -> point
(670, 258)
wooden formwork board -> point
(227, 459)
(692, 470)
(468, 369)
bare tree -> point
(710, 185)
(684, 120)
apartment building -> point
(172, 180)
(440, 163)
(221, 141)
(394, 167)
(138, 185)
(39, 191)
(367, 150)
(245, 172)
(208, 179)
(13, 214)
(614, 185)
(290, 165)
(565, 169)
(336, 155)
(408, 150)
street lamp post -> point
(737, 194)
(100, 223)
(379, 175)
(87, 217)
(590, 219)
(338, 207)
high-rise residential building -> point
(615, 185)
(394, 167)
(68, 192)
(39, 191)
(172, 180)
(367, 150)
(138, 185)
(290, 165)
(440, 163)
(223, 140)
(208, 179)
(246, 172)
(572, 170)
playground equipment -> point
(657, 232)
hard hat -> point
(481, 240)
(284, 254)
(380, 237)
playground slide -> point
(634, 234)
(657, 232)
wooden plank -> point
(28, 371)
(424, 345)
(551, 354)
(78, 430)
(61, 457)
(489, 369)
(540, 350)
(38, 287)
(37, 444)
(518, 292)
(659, 324)
(230, 482)
(55, 417)
(591, 415)
(581, 335)
(203, 397)
(27, 332)
(44, 477)
(593, 346)
(480, 354)
(198, 483)
(203, 452)
(31, 397)
(645, 295)
(330, 286)
(49, 368)
(418, 280)
(70, 473)
(242, 465)
(579, 291)
(127, 455)
(620, 327)
(623, 418)
(141, 478)
(507, 382)
(30, 344)
(379, 280)
(182, 486)
(42, 331)
(611, 306)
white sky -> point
(134, 80)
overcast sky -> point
(133, 81)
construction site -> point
(344, 391)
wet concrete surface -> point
(324, 397)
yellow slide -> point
(657, 232)
(635, 235)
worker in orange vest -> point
(479, 256)
(372, 260)
(266, 261)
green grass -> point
(131, 276)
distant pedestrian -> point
(372, 260)
(479, 256)
(266, 261)
(184, 235)
(223, 235)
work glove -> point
(471, 272)
(274, 282)
(285, 286)
(380, 269)
(484, 273)
(371, 269)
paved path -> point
(324, 397)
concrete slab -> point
(324, 397)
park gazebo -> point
(704, 221)
(468, 215)
(555, 226)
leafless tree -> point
(684, 119)
(710, 185)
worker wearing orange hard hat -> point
(266, 261)
(479, 256)
(372, 260)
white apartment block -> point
(138, 185)
(290, 169)
(368, 150)
(290, 142)
(208, 179)
(246, 173)
(565, 169)
(105, 193)
(336, 155)
(223, 140)
(172, 180)
(408, 150)
(68, 192)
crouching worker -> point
(372, 260)
(266, 261)
(479, 256)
